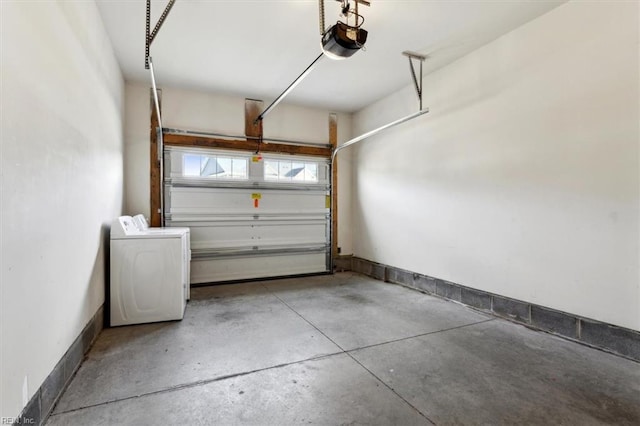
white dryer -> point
(149, 272)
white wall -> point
(62, 182)
(136, 149)
(523, 180)
(210, 112)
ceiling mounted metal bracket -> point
(418, 85)
(419, 57)
(150, 36)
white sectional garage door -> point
(251, 216)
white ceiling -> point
(256, 48)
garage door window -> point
(290, 171)
(214, 167)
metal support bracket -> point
(156, 101)
(421, 111)
(150, 36)
(419, 57)
(378, 130)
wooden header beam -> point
(244, 145)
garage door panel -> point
(257, 233)
(249, 267)
(242, 201)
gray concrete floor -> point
(342, 350)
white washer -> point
(141, 223)
(149, 272)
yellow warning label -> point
(256, 196)
(327, 202)
(256, 158)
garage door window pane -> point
(311, 172)
(239, 168)
(214, 167)
(291, 171)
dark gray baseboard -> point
(621, 341)
(342, 263)
(40, 406)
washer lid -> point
(126, 227)
(130, 227)
(151, 236)
(165, 231)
